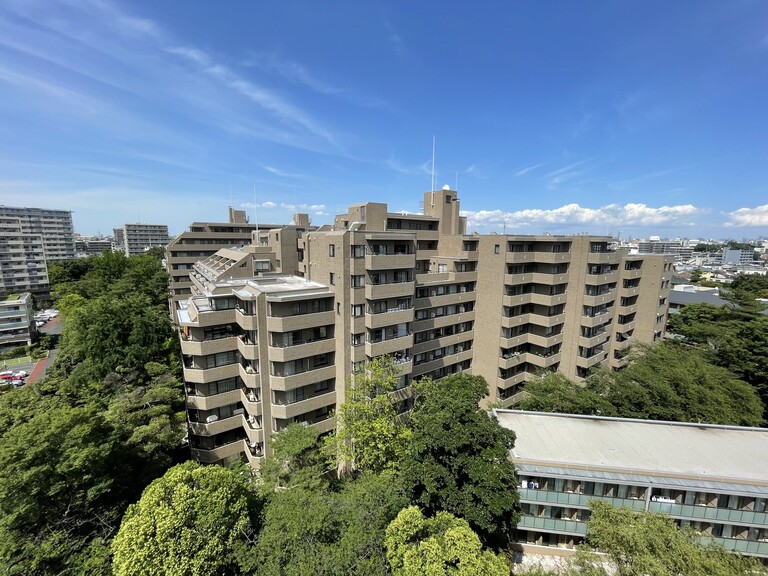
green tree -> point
(195, 520)
(64, 483)
(325, 532)
(441, 545)
(642, 543)
(295, 460)
(369, 436)
(457, 459)
(553, 392)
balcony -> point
(548, 321)
(247, 349)
(519, 320)
(607, 257)
(628, 292)
(435, 299)
(285, 411)
(207, 375)
(547, 299)
(545, 341)
(518, 279)
(513, 380)
(551, 525)
(219, 453)
(598, 299)
(249, 375)
(588, 362)
(542, 360)
(250, 401)
(389, 261)
(598, 319)
(216, 426)
(601, 337)
(516, 300)
(599, 279)
(394, 315)
(631, 274)
(389, 290)
(302, 350)
(389, 345)
(253, 430)
(200, 402)
(210, 317)
(292, 381)
(300, 321)
(246, 321)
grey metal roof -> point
(705, 452)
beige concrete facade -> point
(203, 239)
(418, 288)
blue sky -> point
(644, 118)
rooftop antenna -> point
(457, 181)
(255, 213)
(433, 172)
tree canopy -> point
(669, 381)
(443, 545)
(457, 460)
(193, 521)
(369, 435)
(641, 543)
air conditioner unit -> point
(463, 289)
(212, 418)
(461, 309)
(238, 411)
(459, 349)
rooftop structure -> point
(712, 478)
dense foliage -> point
(457, 460)
(77, 448)
(441, 545)
(194, 521)
(670, 381)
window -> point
(357, 310)
(447, 199)
(331, 250)
(358, 281)
(358, 251)
(358, 339)
(496, 248)
(332, 279)
(442, 268)
(261, 265)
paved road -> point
(53, 326)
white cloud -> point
(757, 216)
(612, 214)
(264, 98)
(527, 169)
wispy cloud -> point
(395, 40)
(409, 170)
(261, 96)
(291, 71)
(283, 173)
(525, 170)
(757, 216)
(569, 172)
(574, 214)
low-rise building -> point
(17, 324)
(711, 478)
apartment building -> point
(418, 288)
(23, 265)
(90, 246)
(682, 250)
(258, 355)
(53, 226)
(643, 465)
(17, 324)
(203, 239)
(138, 238)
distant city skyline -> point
(640, 118)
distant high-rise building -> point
(263, 348)
(29, 238)
(138, 238)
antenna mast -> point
(256, 213)
(433, 171)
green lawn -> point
(16, 361)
